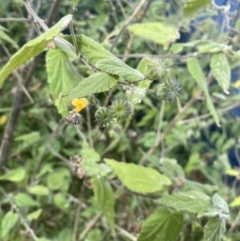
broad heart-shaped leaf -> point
(32, 48)
(214, 229)
(59, 75)
(105, 198)
(161, 225)
(221, 70)
(191, 201)
(196, 72)
(15, 175)
(138, 178)
(117, 67)
(7, 223)
(192, 6)
(160, 33)
(96, 83)
(92, 50)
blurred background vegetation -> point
(54, 201)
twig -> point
(14, 20)
(125, 233)
(19, 98)
(77, 216)
(23, 221)
(127, 23)
(89, 225)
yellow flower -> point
(79, 104)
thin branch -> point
(140, 5)
(22, 219)
(125, 233)
(89, 225)
(15, 19)
(16, 109)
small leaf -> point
(24, 200)
(34, 215)
(7, 223)
(39, 190)
(105, 198)
(212, 47)
(43, 239)
(158, 32)
(61, 201)
(59, 76)
(196, 72)
(192, 6)
(31, 49)
(191, 201)
(75, 3)
(214, 229)
(235, 202)
(89, 154)
(15, 175)
(55, 180)
(221, 71)
(115, 66)
(220, 204)
(138, 178)
(5, 37)
(92, 50)
(62, 106)
(161, 225)
(95, 83)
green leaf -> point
(105, 198)
(59, 76)
(196, 72)
(43, 239)
(38, 190)
(191, 201)
(75, 3)
(96, 83)
(221, 71)
(5, 37)
(220, 204)
(56, 180)
(160, 33)
(34, 215)
(162, 224)
(61, 201)
(138, 178)
(92, 50)
(192, 6)
(24, 200)
(89, 154)
(235, 202)
(115, 66)
(212, 47)
(214, 229)
(62, 106)
(153, 69)
(8, 222)
(32, 48)
(15, 175)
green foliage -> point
(63, 181)
(31, 49)
(162, 224)
(138, 178)
(196, 72)
(8, 221)
(105, 198)
(158, 32)
(221, 70)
